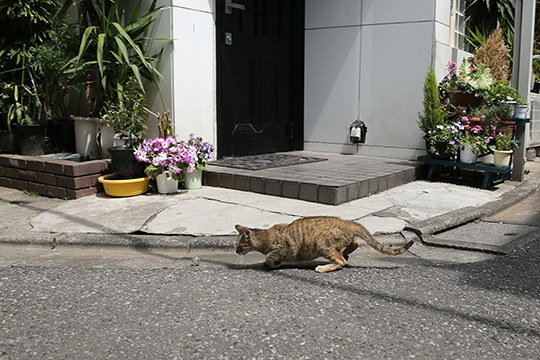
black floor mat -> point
(264, 161)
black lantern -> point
(358, 132)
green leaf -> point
(85, 40)
(100, 42)
(134, 46)
(137, 74)
(123, 49)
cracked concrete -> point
(214, 211)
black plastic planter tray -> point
(492, 174)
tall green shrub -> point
(24, 24)
(433, 113)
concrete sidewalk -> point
(205, 218)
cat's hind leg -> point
(349, 249)
(337, 262)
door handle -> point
(229, 6)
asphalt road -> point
(120, 303)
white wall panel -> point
(397, 11)
(394, 61)
(442, 11)
(199, 5)
(157, 103)
(331, 83)
(324, 13)
(194, 73)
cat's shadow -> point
(302, 265)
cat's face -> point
(243, 240)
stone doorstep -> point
(52, 177)
(321, 191)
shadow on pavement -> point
(515, 273)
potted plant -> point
(203, 153)
(475, 116)
(520, 108)
(502, 95)
(23, 27)
(127, 117)
(443, 140)
(113, 49)
(477, 78)
(504, 147)
(472, 143)
(22, 113)
(8, 139)
(166, 160)
(465, 88)
(169, 160)
(433, 114)
(53, 83)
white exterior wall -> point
(367, 59)
(363, 59)
(189, 67)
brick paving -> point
(339, 179)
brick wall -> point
(52, 177)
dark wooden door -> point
(260, 76)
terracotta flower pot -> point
(461, 98)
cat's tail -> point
(385, 249)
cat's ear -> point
(243, 230)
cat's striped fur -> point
(308, 238)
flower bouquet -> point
(467, 85)
(504, 147)
(202, 152)
(165, 154)
(443, 140)
(504, 140)
(476, 137)
(473, 142)
(169, 159)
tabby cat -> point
(308, 238)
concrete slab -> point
(442, 255)
(17, 208)
(292, 207)
(101, 214)
(525, 212)
(202, 217)
(485, 236)
(422, 200)
(382, 225)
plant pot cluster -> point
(166, 159)
(36, 139)
(471, 112)
(50, 56)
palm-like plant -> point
(114, 48)
(484, 16)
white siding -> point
(368, 59)
(189, 67)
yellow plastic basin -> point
(123, 187)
